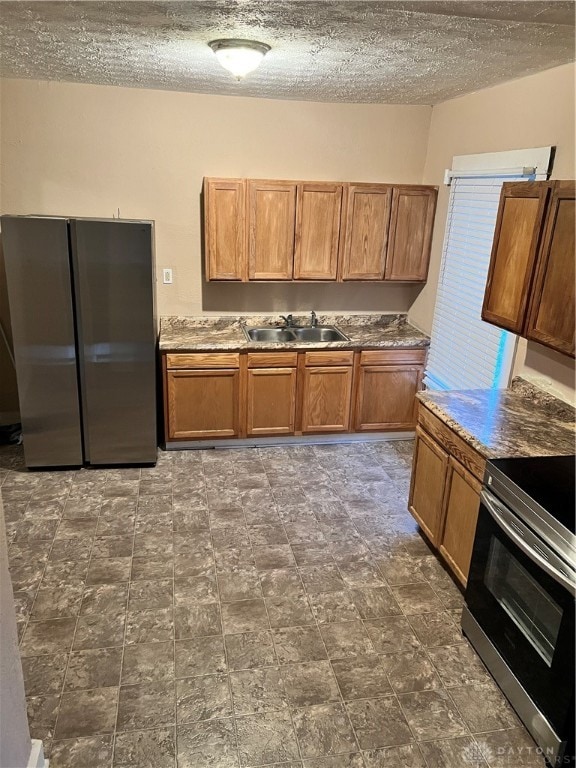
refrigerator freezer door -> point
(39, 283)
(113, 276)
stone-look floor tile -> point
(266, 738)
(289, 611)
(458, 665)
(379, 722)
(197, 620)
(44, 674)
(410, 672)
(209, 744)
(335, 761)
(229, 537)
(109, 570)
(434, 629)
(99, 631)
(509, 749)
(265, 535)
(47, 637)
(148, 662)
(145, 749)
(155, 626)
(151, 568)
(316, 553)
(281, 582)
(149, 705)
(57, 603)
(196, 589)
(203, 698)
(483, 707)
(93, 751)
(114, 524)
(146, 595)
(249, 650)
(276, 556)
(244, 616)
(200, 656)
(406, 756)
(87, 713)
(399, 567)
(258, 690)
(331, 607)
(362, 677)
(361, 574)
(346, 639)
(322, 578)
(70, 549)
(231, 558)
(88, 506)
(28, 576)
(42, 715)
(310, 683)
(432, 715)
(449, 594)
(414, 599)
(239, 582)
(98, 668)
(324, 730)
(375, 602)
(112, 546)
(299, 644)
(80, 527)
(454, 753)
(392, 635)
(150, 545)
(104, 598)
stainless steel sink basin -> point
(320, 333)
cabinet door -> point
(271, 224)
(317, 231)
(203, 403)
(551, 313)
(462, 502)
(386, 397)
(366, 222)
(411, 223)
(271, 403)
(326, 393)
(429, 469)
(516, 240)
(224, 229)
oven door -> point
(522, 596)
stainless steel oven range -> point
(519, 613)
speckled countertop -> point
(520, 421)
(205, 333)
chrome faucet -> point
(288, 320)
(313, 319)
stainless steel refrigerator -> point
(81, 297)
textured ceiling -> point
(387, 52)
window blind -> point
(465, 352)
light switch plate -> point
(167, 276)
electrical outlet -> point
(167, 276)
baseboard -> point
(37, 759)
(262, 442)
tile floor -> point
(245, 607)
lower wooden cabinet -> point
(386, 397)
(326, 395)
(271, 401)
(203, 403)
(445, 494)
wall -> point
(90, 150)
(15, 741)
(534, 111)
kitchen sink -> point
(319, 333)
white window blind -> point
(465, 352)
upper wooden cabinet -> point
(317, 231)
(287, 230)
(531, 276)
(410, 238)
(271, 220)
(224, 229)
(367, 220)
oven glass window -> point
(531, 609)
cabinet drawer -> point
(393, 357)
(272, 359)
(451, 442)
(337, 357)
(204, 360)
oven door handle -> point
(493, 506)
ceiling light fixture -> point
(239, 56)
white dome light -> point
(239, 56)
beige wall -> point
(91, 150)
(534, 111)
